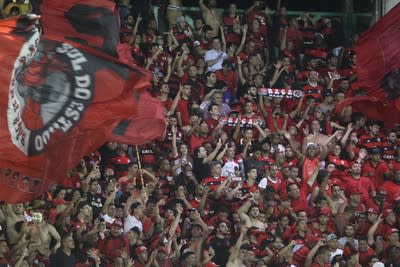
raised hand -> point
(244, 28)
(239, 60)
(278, 64)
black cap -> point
(375, 150)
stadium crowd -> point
(246, 176)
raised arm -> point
(202, 6)
(243, 41)
(176, 100)
(151, 59)
(242, 211)
(277, 73)
(262, 133)
(135, 29)
(223, 41)
(372, 230)
(110, 198)
(283, 39)
(213, 154)
(297, 152)
(173, 43)
(174, 150)
(242, 79)
(222, 153)
(312, 253)
(346, 135)
(169, 69)
(179, 68)
(313, 176)
(235, 250)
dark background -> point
(306, 5)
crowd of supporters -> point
(246, 176)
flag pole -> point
(139, 165)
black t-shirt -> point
(96, 202)
(60, 259)
(221, 247)
(200, 169)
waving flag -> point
(378, 69)
(60, 99)
(93, 23)
(147, 125)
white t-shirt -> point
(107, 218)
(265, 181)
(343, 240)
(213, 54)
(229, 168)
(338, 251)
(131, 221)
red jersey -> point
(212, 123)
(183, 108)
(364, 185)
(229, 78)
(309, 166)
(121, 165)
(376, 174)
(112, 247)
(261, 17)
(213, 182)
(340, 164)
(260, 42)
(368, 141)
(313, 91)
(195, 141)
(302, 202)
(317, 53)
(389, 151)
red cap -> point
(390, 232)
(117, 223)
(325, 211)
(140, 249)
(387, 212)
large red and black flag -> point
(378, 69)
(148, 124)
(61, 95)
(93, 23)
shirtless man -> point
(173, 11)
(238, 253)
(252, 219)
(336, 200)
(210, 15)
(14, 214)
(41, 234)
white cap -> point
(196, 43)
